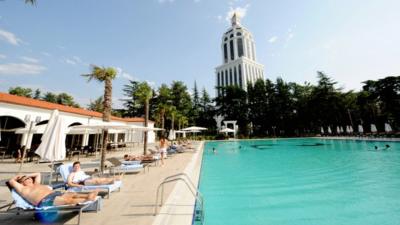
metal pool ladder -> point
(199, 204)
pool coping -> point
(179, 207)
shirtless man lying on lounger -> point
(138, 158)
(79, 178)
(29, 187)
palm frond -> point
(32, 2)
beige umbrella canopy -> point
(227, 130)
(194, 128)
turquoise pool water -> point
(301, 181)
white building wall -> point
(21, 112)
(251, 70)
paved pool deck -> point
(135, 203)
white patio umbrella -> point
(171, 135)
(348, 129)
(341, 129)
(322, 130)
(373, 128)
(181, 132)
(351, 129)
(227, 130)
(102, 125)
(360, 129)
(194, 128)
(388, 128)
(52, 147)
(338, 129)
(329, 130)
(143, 128)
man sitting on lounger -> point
(79, 178)
(29, 187)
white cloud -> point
(289, 37)
(70, 61)
(29, 59)
(166, 1)
(240, 11)
(46, 54)
(20, 69)
(273, 39)
(2, 56)
(121, 73)
(127, 76)
(151, 83)
(9, 37)
(75, 60)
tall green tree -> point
(325, 102)
(144, 93)
(180, 97)
(385, 93)
(207, 112)
(195, 111)
(232, 104)
(162, 103)
(172, 112)
(20, 91)
(131, 103)
(257, 102)
(50, 97)
(97, 105)
(66, 99)
(103, 75)
(37, 94)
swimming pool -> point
(301, 181)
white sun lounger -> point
(49, 212)
(66, 169)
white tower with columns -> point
(240, 66)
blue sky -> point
(49, 45)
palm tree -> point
(161, 110)
(182, 120)
(105, 75)
(172, 112)
(144, 93)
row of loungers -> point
(49, 213)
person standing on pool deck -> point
(163, 148)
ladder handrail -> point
(189, 185)
(188, 179)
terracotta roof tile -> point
(18, 100)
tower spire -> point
(235, 20)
